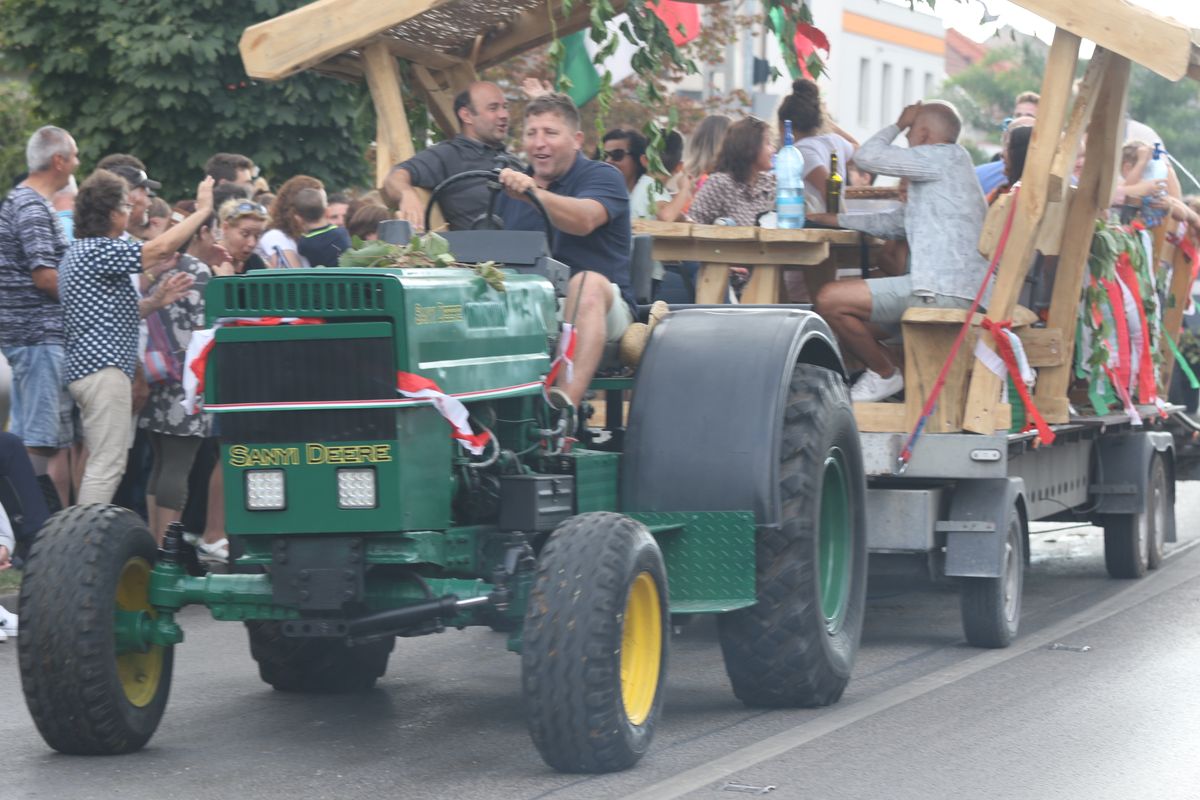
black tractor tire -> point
(316, 665)
(87, 563)
(785, 651)
(991, 607)
(595, 642)
(1161, 497)
(1132, 542)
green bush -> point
(17, 120)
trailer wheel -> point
(796, 646)
(1162, 508)
(991, 607)
(315, 665)
(87, 697)
(594, 653)
(1134, 542)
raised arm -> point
(155, 251)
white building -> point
(883, 57)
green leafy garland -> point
(425, 251)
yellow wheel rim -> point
(140, 673)
(641, 648)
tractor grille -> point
(311, 296)
(306, 370)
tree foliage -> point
(984, 92)
(17, 118)
(165, 82)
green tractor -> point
(734, 488)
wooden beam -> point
(415, 54)
(1081, 112)
(1160, 44)
(984, 393)
(1177, 300)
(1092, 198)
(532, 29)
(439, 88)
(313, 33)
(393, 139)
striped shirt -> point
(30, 238)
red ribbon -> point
(1033, 417)
(1147, 385)
(449, 406)
(566, 354)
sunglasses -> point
(247, 207)
(615, 155)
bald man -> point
(482, 112)
(941, 221)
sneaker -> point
(9, 625)
(558, 398)
(191, 538)
(214, 553)
(871, 387)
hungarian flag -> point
(579, 49)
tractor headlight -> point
(356, 488)
(265, 490)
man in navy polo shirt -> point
(588, 206)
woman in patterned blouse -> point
(743, 187)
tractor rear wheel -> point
(87, 697)
(594, 656)
(315, 665)
(796, 646)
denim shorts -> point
(41, 407)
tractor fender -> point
(977, 526)
(704, 425)
(1121, 470)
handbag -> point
(163, 359)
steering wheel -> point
(492, 176)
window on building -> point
(886, 99)
(864, 91)
(929, 84)
(906, 89)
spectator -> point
(337, 209)
(705, 146)
(31, 320)
(1013, 157)
(132, 169)
(322, 241)
(588, 205)
(158, 217)
(241, 228)
(365, 222)
(941, 220)
(859, 177)
(743, 185)
(175, 435)
(482, 111)
(817, 138)
(229, 168)
(64, 208)
(21, 496)
(102, 309)
(278, 246)
(232, 191)
(1025, 108)
(680, 186)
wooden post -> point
(984, 393)
(1177, 300)
(439, 89)
(1092, 198)
(393, 141)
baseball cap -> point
(136, 177)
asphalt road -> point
(1098, 698)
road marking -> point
(700, 777)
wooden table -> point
(767, 251)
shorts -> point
(619, 315)
(41, 406)
(891, 297)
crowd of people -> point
(102, 282)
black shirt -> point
(322, 246)
(605, 250)
(466, 200)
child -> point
(322, 242)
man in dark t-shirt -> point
(588, 206)
(482, 112)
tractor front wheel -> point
(594, 656)
(87, 695)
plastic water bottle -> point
(789, 183)
(1156, 170)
